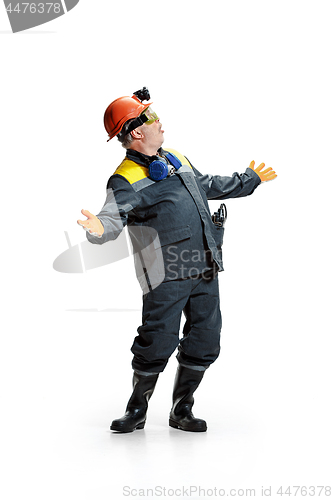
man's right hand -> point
(93, 225)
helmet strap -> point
(137, 122)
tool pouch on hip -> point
(219, 219)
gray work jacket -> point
(176, 210)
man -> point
(160, 190)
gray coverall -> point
(177, 208)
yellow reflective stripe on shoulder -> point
(179, 156)
(131, 171)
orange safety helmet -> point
(120, 111)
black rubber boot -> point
(137, 406)
(181, 416)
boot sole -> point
(177, 425)
(124, 430)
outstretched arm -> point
(219, 187)
(109, 222)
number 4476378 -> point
(32, 8)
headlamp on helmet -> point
(142, 94)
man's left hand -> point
(265, 175)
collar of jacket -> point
(141, 158)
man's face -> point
(153, 134)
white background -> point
(232, 82)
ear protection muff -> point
(159, 169)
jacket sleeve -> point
(219, 187)
(120, 200)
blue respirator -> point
(160, 169)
